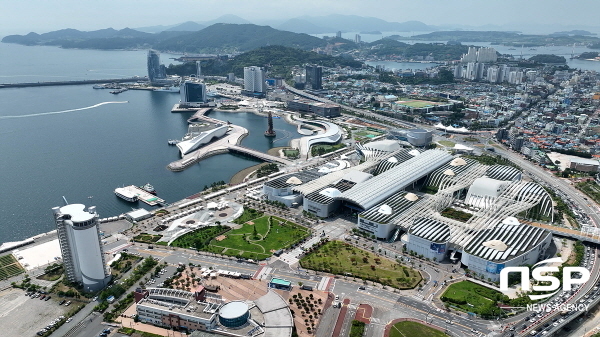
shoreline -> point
(238, 178)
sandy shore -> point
(238, 178)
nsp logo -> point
(541, 274)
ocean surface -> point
(82, 143)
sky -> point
(23, 16)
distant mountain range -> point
(217, 38)
(308, 24)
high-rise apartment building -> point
(314, 77)
(192, 93)
(483, 54)
(254, 80)
(156, 71)
(81, 246)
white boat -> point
(148, 188)
(167, 89)
(125, 194)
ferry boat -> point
(167, 89)
(118, 91)
(173, 141)
(148, 188)
(125, 194)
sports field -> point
(416, 103)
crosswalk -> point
(324, 283)
(262, 273)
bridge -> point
(77, 82)
(584, 235)
(228, 143)
(259, 155)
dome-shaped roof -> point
(331, 192)
(458, 162)
(411, 197)
(386, 145)
(511, 220)
(385, 209)
(294, 181)
(392, 160)
(449, 172)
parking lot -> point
(22, 315)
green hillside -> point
(223, 38)
(277, 59)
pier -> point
(229, 143)
(77, 82)
(145, 197)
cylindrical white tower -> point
(81, 246)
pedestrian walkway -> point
(292, 257)
(324, 283)
(262, 273)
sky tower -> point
(270, 132)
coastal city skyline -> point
(530, 16)
(351, 170)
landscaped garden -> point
(147, 238)
(291, 153)
(200, 238)
(409, 328)
(258, 238)
(318, 150)
(456, 214)
(471, 297)
(591, 189)
(338, 257)
(9, 267)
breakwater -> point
(76, 82)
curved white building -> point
(332, 135)
(81, 246)
(204, 137)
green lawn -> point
(471, 297)
(291, 153)
(272, 233)
(447, 143)
(591, 189)
(249, 214)
(9, 266)
(418, 104)
(409, 329)
(318, 150)
(338, 257)
(199, 238)
(147, 238)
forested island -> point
(504, 38)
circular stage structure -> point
(234, 314)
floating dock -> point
(144, 196)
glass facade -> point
(236, 321)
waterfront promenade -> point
(77, 82)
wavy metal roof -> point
(367, 194)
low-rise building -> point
(318, 108)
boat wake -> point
(63, 111)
